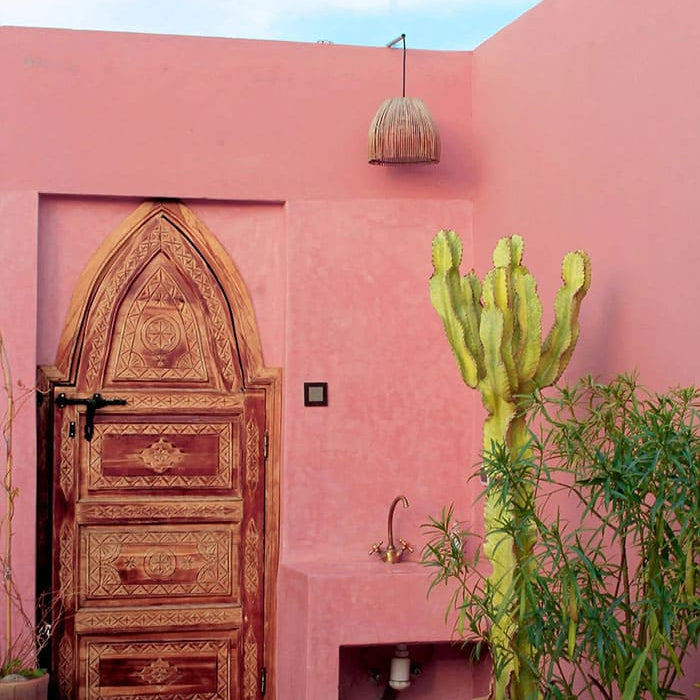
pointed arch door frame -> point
(235, 368)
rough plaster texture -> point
(575, 126)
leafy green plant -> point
(614, 577)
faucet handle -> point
(376, 548)
(405, 546)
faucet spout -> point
(392, 555)
(390, 519)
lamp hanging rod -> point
(390, 45)
(396, 41)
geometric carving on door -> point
(145, 669)
(159, 338)
(252, 454)
(148, 244)
(159, 563)
(66, 666)
(172, 401)
(67, 459)
(158, 315)
(158, 672)
(161, 456)
(251, 579)
(118, 450)
(65, 564)
(144, 619)
(250, 666)
(172, 563)
(227, 510)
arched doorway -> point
(161, 450)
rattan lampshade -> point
(402, 132)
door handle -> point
(92, 404)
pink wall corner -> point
(146, 115)
(18, 253)
(585, 133)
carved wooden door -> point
(158, 504)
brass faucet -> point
(391, 554)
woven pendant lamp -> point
(403, 131)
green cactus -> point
(495, 330)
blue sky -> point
(428, 24)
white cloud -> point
(430, 24)
(221, 17)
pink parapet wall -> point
(146, 115)
(586, 136)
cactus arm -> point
(456, 336)
(498, 293)
(517, 244)
(528, 312)
(495, 386)
(561, 339)
(580, 270)
(455, 301)
(508, 252)
(502, 253)
(452, 299)
(471, 318)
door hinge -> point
(263, 681)
(266, 444)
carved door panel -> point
(158, 504)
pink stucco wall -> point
(18, 308)
(266, 142)
(339, 290)
(146, 115)
(586, 136)
(575, 126)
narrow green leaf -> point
(629, 692)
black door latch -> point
(92, 404)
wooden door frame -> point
(254, 375)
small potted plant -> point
(23, 638)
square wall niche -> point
(439, 671)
